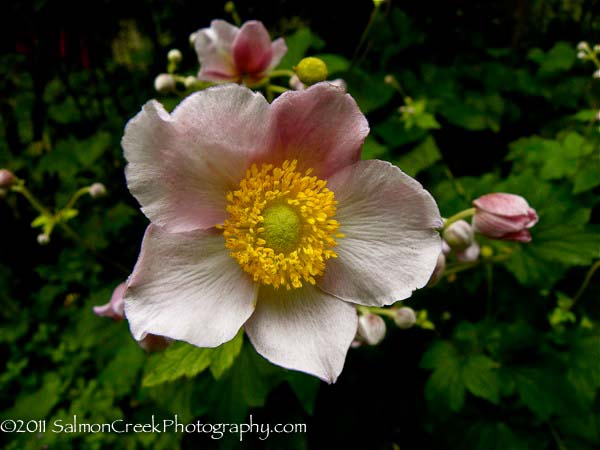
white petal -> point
(390, 246)
(303, 329)
(182, 165)
(185, 286)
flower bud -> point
(43, 239)
(174, 56)
(596, 74)
(405, 317)
(438, 272)
(582, 46)
(445, 248)
(581, 55)
(504, 216)
(164, 83)
(389, 79)
(371, 328)
(192, 39)
(190, 81)
(311, 70)
(115, 308)
(597, 48)
(6, 178)
(458, 235)
(229, 7)
(469, 254)
(97, 190)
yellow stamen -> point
(281, 227)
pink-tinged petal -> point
(214, 49)
(182, 165)
(114, 308)
(278, 49)
(321, 127)
(519, 236)
(470, 254)
(251, 48)
(185, 286)
(303, 329)
(495, 226)
(391, 245)
(502, 204)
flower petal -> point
(303, 329)
(503, 204)
(321, 127)
(391, 245)
(279, 49)
(214, 48)
(251, 48)
(185, 286)
(182, 165)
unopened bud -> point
(405, 318)
(97, 190)
(43, 239)
(438, 272)
(581, 55)
(445, 248)
(371, 328)
(583, 46)
(174, 56)
(469, 254)
(6, 178)
(229, 7)
(389, 79)
(164, 83)
(487, 251)
(192, 39)
(190, 81)
(459, 235)
(597, 48)
(311, 70)
(597, 74)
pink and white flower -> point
(263, 216)
(504, 216)
(229, 53)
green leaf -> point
(420, 158)
(585, 115)
(537, 390)
(445, 385)
(306, 388)
(481, 378)
(373, 149)
(369, 90)
(179, 360)
(335, 63)
(38, 404)
(559, 58)
(223, 356)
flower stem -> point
(76, 196)
(281, 73)
(365, 33)
(586, 282)
(459, 216)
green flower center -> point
(282, 228)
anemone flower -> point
(263, 216)
(229, 53)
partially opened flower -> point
(264, 216)
(504, 216)
(229, 53)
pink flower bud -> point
(6, 178)
(470, 254)
(371, 328)
(445, 248)
(405, 317)
(115, 308)
(438, 272)
(504, 216)
(459, 235)
(97, 190)
(164, 83)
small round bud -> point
(459, 235)
(97, 190)
(43, 239)
(164, 83)
(192, 39)
(438, 272)
(190, 81)
(229, 7)
(596, 74)
(174, 56)
(581, 55)
(445, 248)
(487, 251)
(597, 48)
(378, 3)
(469, 254)
(583, 46)
(311, 70)
(371, 328)
(389, 79)
(6, 178)
(405, 317)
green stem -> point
(76, 196)
(277, 89)
(365, 33)
(459, 216)
(20, 187)
(375, 310)
(460, 267)
(281, 73)
(586, 282)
